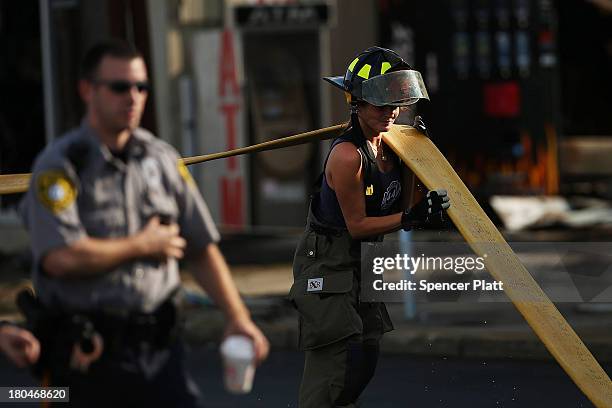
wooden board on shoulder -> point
(434, 171)
(18, 183)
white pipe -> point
(47, 68)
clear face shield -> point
(399, 88)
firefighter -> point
(362, 195)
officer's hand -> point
(19, 345)
(162, 241)
(246, 327)
(433, 203)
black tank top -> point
(381, 190)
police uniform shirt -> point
(79, 188)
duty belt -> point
(59, 330)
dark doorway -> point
(22, 130)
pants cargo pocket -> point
(325, 305)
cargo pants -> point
(339, 334)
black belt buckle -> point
(160, 327)
(141, 328)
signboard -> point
(293, 15)
(221, 124)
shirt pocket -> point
(101, 208)
(158, 201)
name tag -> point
(315, 285)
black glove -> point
(433, 203)
(419, 124)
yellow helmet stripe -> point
(385, 67)
(350, 68)
(364, 72)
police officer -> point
(362, 194)
(110, 210)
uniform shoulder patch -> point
(55, 190)
(185, 174)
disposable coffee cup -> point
(238, 355)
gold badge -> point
(370, 190)
(55, 191)
(185, 174)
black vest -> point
(381, 190)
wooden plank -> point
(431, 167)
(14, 183)
(19, 183)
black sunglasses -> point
(119, 86)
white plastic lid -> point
(238, 347)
